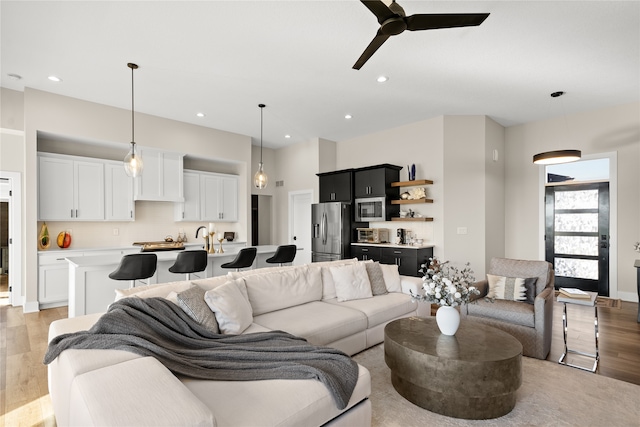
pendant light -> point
(558, 156)
(260, 179)
(133, 160)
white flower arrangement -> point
(446, 285)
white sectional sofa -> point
(328, 304)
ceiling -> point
(223, 58)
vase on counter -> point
(448, 320)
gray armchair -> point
(531, 324)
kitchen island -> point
(91, 290)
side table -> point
(591, 302)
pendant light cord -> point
(132, 118)
(261, 109)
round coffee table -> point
(473, 375)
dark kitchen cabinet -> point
(336, 186)
(364, 253)
(375, 181)
(409, 261)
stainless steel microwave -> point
(370, 209)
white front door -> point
(300, 224)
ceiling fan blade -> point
(379, 9)
(377, 41)
(444, 20)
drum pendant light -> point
(133, 160)
(558, 156)
(260, 179)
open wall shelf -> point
(410, 201)
(421, 219)
(412, 183)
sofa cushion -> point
(277, 290)
(391, 277)
(230, 306)
(376, 278)
(328, 287)
(351, 281)
(318, 322)
(504, 310)
(381, 308)
(511, 288)
(279, 403)
(212, 282)
(192, 302)
(140, 392)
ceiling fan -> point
(394, 21)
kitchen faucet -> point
(200, 228)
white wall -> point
(614, 129)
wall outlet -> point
(116, 231)
(462, 230)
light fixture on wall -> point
(558, 156)
(260, 179)
(133, 160)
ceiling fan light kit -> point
(557, 156)
(133, 161)
(393, 21)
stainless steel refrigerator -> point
(331, 231)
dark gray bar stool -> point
(284, 254)
(135, 267)
(190, 262)
(244, 259)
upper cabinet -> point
(208, 197)
(118, 193)
(375, 181)
(336, 186)
(161, 178)
(70, 188)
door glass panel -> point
(578, 268)
(576, 245)
(586, 199)
(584, 222)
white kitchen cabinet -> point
(162, 176)
(119, 205)
(53, 278)
(70, 188)
(209, 197)
(189, 210)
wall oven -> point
(370, 209)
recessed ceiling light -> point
(348, 116)
(55, 79)
(14, 76)
(287, 136)
(382, 79)
(200, 114)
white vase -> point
(448, 320)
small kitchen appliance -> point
(373, 235)
(402, 236)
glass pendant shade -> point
(260, 179)
(133, 162)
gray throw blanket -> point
(158, 328)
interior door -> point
(577, 235)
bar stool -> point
(284, 254)
(244, 259)
(135, 267)
(190, 262)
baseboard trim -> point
(31, 307)
(628, 296)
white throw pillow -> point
(391, 277)
(328, 287)
(351, 282)
(232, 309)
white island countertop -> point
(393, 245)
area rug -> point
(550, 395)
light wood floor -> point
(24, 398)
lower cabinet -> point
(408, 260)
(53, 279)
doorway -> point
(10, 242)
(579, 224)
(300, 224)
